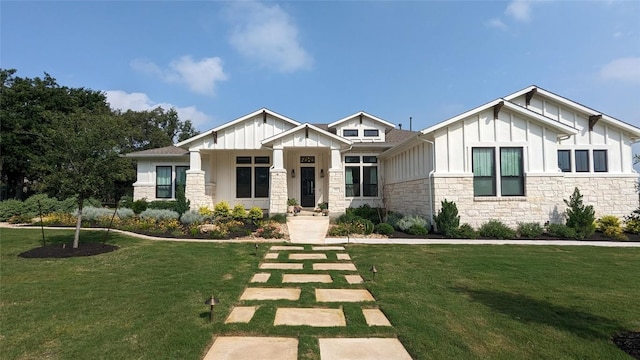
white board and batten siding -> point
(367, 124)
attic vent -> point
(215, 137)
(360, 118)
(264, 117)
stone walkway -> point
(283, 268)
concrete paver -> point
(362, 349)
(271, 256)
(317, 317)
(306, 278)
(281, 266)
(354, 279)
(343, 256)
(327, 248)
(253, 348)
(375, 317)
(260, 278)
(307, 256)
(286, 248)
(334, 266)
(241, 314)
(307, 229)
(343, 295)
(270, 294)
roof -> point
(167, 151)
(385, 123)
(302, 126)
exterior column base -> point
(195, 190)
(278, 191)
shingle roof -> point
(160, 152)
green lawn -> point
(146, 299)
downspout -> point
(433, 170)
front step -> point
(307, 212)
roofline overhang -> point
(269, 140)
(362, 113)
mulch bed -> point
(629, 342)
(67, 250)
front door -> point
(307, 187)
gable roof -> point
(633, 130)
(167, 151)
(263, 111)
(377, 119)
(558, 126)
(302, 126)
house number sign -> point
(307, 159)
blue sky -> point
(318, 61)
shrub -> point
(164, 205)
(580, 217)
(383, 229)
(561, 231)
(530, 230)
(496, 229)
(393, 218)
(611, 227)
(9, 208)
(255, 214)
(139, 206)
(159, 214)
(416, 229)
(447, 221)
(182, 204)
(408, 221)
(91, 213)
(365, 224)
(270, 230)
(279, 218)
(124, 213)
(222, 210)
(338, 230)
(632, 222)
(346, 218)
(20, 219)
(239, 212)
(47, 204)
(59, 218)
(205, 211)
(366, 212)
(466, 231)
(191, 217)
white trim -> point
(384, 122)
(302, 126)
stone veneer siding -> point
(408, 197)
(195, 190)
(278, 191)
(144, 192)
(336, 192)
(543, 201)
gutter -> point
(433, 170)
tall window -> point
(600, 161)
(564, 160)
(484, 173)
(252, 176)
(163, 182)
(370, 181)
(181, 177)
(511, 172)
(352, 181)
(361, 176)
(582, 160)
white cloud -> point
(496, 23)
(122, 100)
(200, 76)
(520, 10)
(267, 35)
(623, 69)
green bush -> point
(383, 229)
(279, 218)
(124, 213)
(410, 220)
(239, 212)
(182, 204)
(632, 222)
(561, 231)
(346, 218)
(611, 227)
(222, 210)
(365, 224)
(163, 205)
(10, 208)
(496, 229)
(47, 205)
(20, 219)
(580, 217)
(270, 230)
(466, 231)
(191, 217)
(417, 229)
(447, 221)
(366, 212)
(530, 230)
(338, 230)
(159, 214)
(393, 218)
(139, 206)
(255, 214)
(91, 213)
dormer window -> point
(350, 132)
(371, 133)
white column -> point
(336, 159)
(195, 161)
(278, 159)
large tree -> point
(83, 150)
(155, 128)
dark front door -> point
(307, 187)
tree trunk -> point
(76, 237)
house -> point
(262, 159)
(515, 159)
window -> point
(600, 161)
(261, 160)
(582, 160)
(163, 182)
(352, 181)
(370, 181)
(243, 160)
(484, 175)
(181, 177)
(350, 132)
(262, 182)
(252, 180)
(243, 182)
(511, 174)
(371, 132)
(370, 159)
(352, 159)
(564, 160)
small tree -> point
(447, 221)
(580, 217)
(182, 204)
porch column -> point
(337, 204)
(195, 189)
(278, 184)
